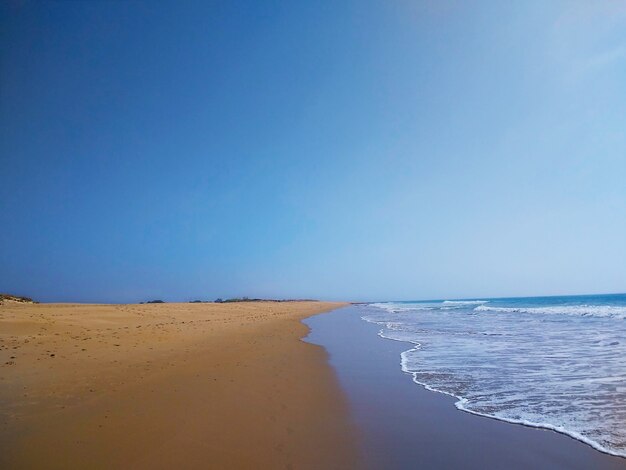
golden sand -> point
(168, 386)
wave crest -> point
(601, 311)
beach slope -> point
(168, 386)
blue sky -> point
(339, 150)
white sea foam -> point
(603, 311)
(401, 307)
(521, 364)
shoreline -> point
(460, 401)
(165, 385)
(404, 425)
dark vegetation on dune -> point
(16, 298)
(248, 299)
(232, 300)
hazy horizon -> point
(357, 301)
(358, 151)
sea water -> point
(551, 362)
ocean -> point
(551, 362)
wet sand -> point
(168, 386)
(402, 425)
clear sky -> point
(358, 150)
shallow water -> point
(553, 362)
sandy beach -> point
(168, 386)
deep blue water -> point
(553, 362)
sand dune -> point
(168, 385)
